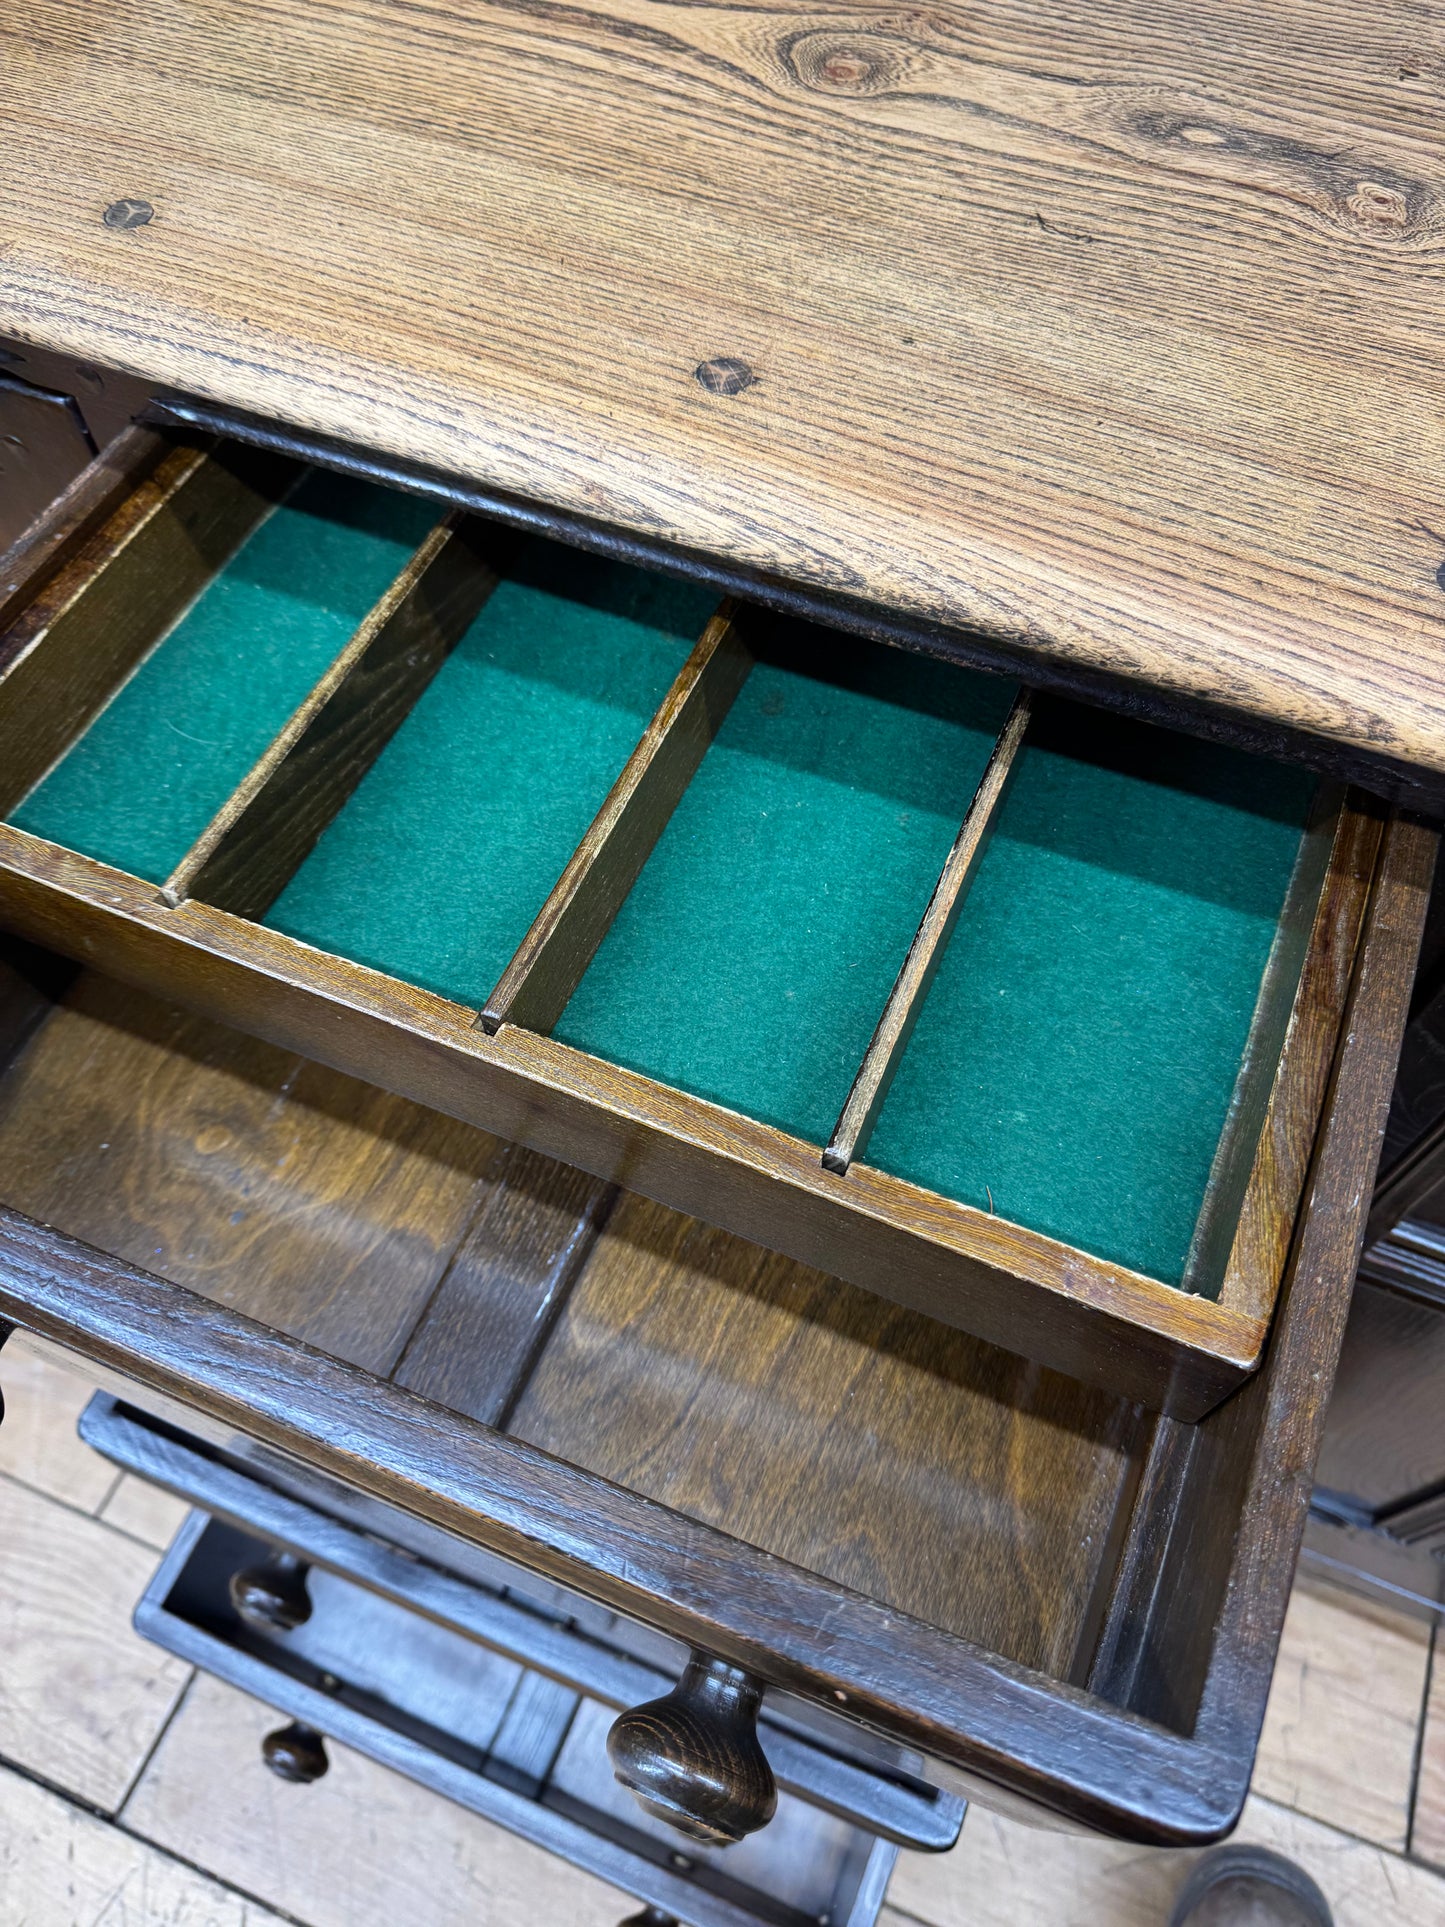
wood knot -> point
(845, 63)
(128, 214)
(724, 375)
(1378, 206)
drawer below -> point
(503, 1741)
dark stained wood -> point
(1385, 1440)
(1208, 1645)
(257, 1178)
(1172, 1767)
(533, 1224)
(921, 1686)
(89, 626)
(954, 1482)
(272, 1594)
(1070, 1311)
(1255, 1456)
(43, 448)
(74, 515)
(925, 953)
(296, 1753)
(110, 403)
(538, 983)
(247, 854)
(693, 1758)
(1040, 307)
(1306, 996)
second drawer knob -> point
(693, 1758)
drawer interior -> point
(1076, 1059)
(949, 1479)
(993, 961)
(791, 878)
(213, 687)
(436, 864)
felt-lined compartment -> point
(144, 779)
(751, 960)
(1073, 1065)
(441, 857)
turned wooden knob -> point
(694, 1759)
(296, 1753)
(273, 1594)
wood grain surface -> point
(322, 1206)
(1110, 331)
(950, 1480)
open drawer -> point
(1015, 1014)
(1045, 1589)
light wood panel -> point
(1427, 1833)
(1113, 331)
(62, 1864)
(1344, 1714)
(144, 1512)
(44, 1397)
(1002, 1874)
(82, 1697)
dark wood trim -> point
(921, 1687)
(75, 514)
(85, 629)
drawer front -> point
(498, 1738)
(1015, 1015)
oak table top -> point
(1113, 332)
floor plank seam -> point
(9, 1764)
(144, 1763)
(80, 1512)
(268, 1907)
(1418, 1761)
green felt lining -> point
(139, 786)
(447, 849)
(753, 957)
(1078, 1051)
(1073, 1065)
